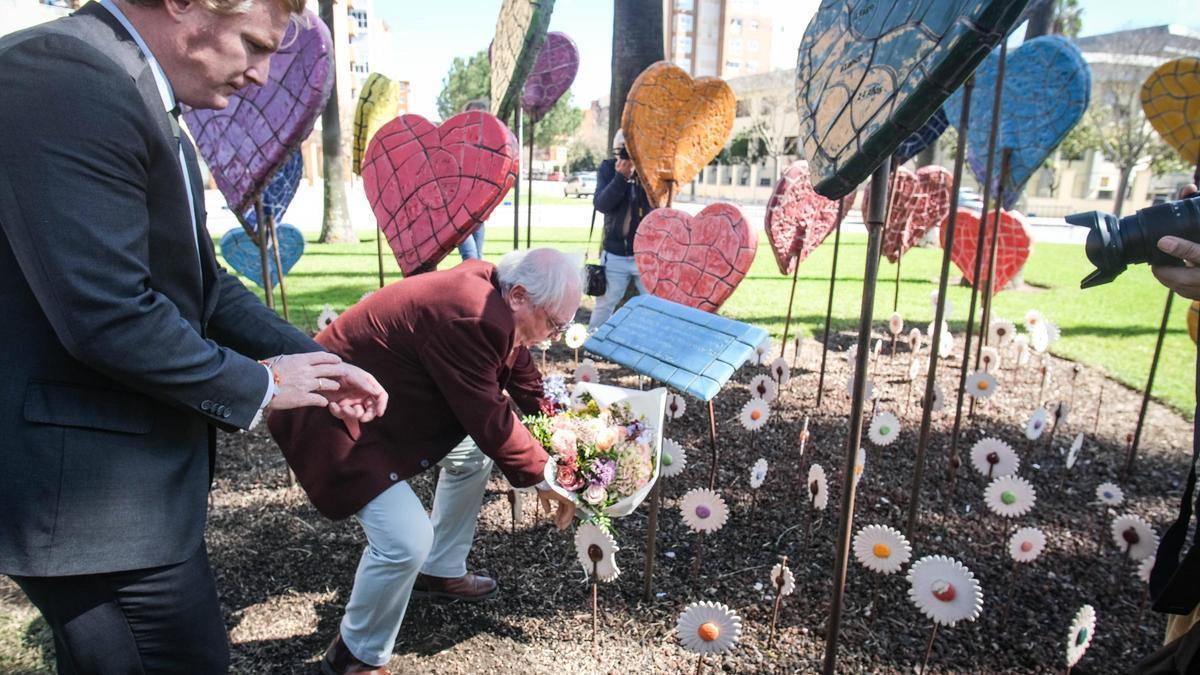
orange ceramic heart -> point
(674, 126)
(1171, 99)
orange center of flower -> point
(709, 631)
(755, 414)
(881, 550)
(983, 385)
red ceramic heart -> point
(431, 187)
(919, 202)
(698, 260)
(799, 219)
(1013, 246)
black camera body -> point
(1113, 244)
(622, 154)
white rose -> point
(595, 494)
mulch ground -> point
(284, 572)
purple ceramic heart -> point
(552, 75)
(244, 143)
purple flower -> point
(635, 429)
(603, 471)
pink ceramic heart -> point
(919, 202)
(1012, 250)
(695, 261)
(552, 75)
(431, 187)
(799, 219)
(256, 133)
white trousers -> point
(402, 541)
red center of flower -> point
(1026, 546)
(709, 631)
(993, 458)
(943, 590)
(755, 415)
(1130, 536)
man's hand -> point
(566, 508)
(625, 167)
(323, 379)
(1183, 280)
(359, 397)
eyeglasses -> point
(555, 327)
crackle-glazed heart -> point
(918, 202)
(244, 143)
(698, 260)
(378, 104)
(798, 219)
(1012, 250)
(431, 187)
(240, 251)
(1171, 100)
(520, 32)
(552, 75)
(674, 126)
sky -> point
(427, 35)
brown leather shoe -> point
(468, 587)
(339, 661)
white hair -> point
(548, 275)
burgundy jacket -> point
(441, 344)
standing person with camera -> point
(620, 197)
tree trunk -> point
(637, 43)
(1041, 22)
(1122, 185)
(335, 223)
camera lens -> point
(1114, 244)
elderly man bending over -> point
(448, 346)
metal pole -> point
(379, 253)
(517, 185)
(837, 241)
(529, 196)
(787, 322)
(1127, 472)
(875, 221)
(264, 240)
(914, 498)
(993, 245)
(278, 265)
(651, 540)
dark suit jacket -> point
(122, 347)
(615, 197)
(441, 344)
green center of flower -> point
(885, 430)
(1008, 497)
(1081, 636)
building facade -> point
(718, 38)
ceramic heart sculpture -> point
(1012, 249)
(1171, 100)
(431, 187)
(520, 32)
(674, 126)
(798, 219)
(918, 202)
(378, 104)
(240, 251)
(871, 73)
(552, 75)
(1047, 85)
(922, 138)
(698, 260)
(244, 143)
(280, 191)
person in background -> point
(472, 246)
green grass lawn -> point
(1112, 327)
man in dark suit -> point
(125, 343)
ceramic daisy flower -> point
(877, 348)
(1036, 424)
(762, 353)
(944, 590)
(1009, 496)
(946, 342)
(1073, 453)
(981, 384)
(1039, 339)
(885, 429)
(674, 458)
(1061, 410)
(1022, 343)
(758, 473)
(933, 299)
(1002, 332)
(1134, 536)
(1079, 637)
(704, 510)
(881, 549)
(708, 628)
(914, 340)
(762, 386)
(325, 318)
(783, 579)
(896, 324)
(860, 464)
(818, 490)
(868, 395)
(1053, 333)
(1144, 568)
(1110, 494)
(989, 359)
(780, 371)
(1033, 319)
(586, 372)
(914, 369)
(993, 458)
(676, 406)
(1026, 544)
(594, 546)
(575, 335)
(939, 399)
(754, 414)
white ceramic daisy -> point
(914, 369)
(762, 386)
(708, 628)
(1033, 318)
(1039, 338)
(1009, 496)
(674, 458)
(704, 510)
(1053, 333)
(881, 549)
(783, 579)
(860, 464)
(1134, 536)
(1002, 332)
(1110, 494)
(1144, 568)
(758, 473)
(754, 414)
(1079, 637)
(989, 359)
(993, 458)
(939, 399)
(762, 352)
(325, 318)
(1036, 424)
(933, 299)
(587, 372)
(1073, 453)
(914, 340)
(981, 384)
(884, 429)
(946, 342)
(780, 371)
(870, 388)
(895, 324)
(877, 348)
(595, 546)
(944, 590)
(818, 490)
(1061, 410)
(575, 335)
(1022, 344)
(1026, 544)
(676, 406)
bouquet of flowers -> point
(604, 448)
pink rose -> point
(568, 478)
(562, 442)
(595, 495)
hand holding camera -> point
(1183, 280)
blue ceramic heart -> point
(1047, 85)
(241, 252)
(922, 138)
(280, 190)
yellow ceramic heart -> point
(1171, 99)
(378, 104)
(674, 126)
